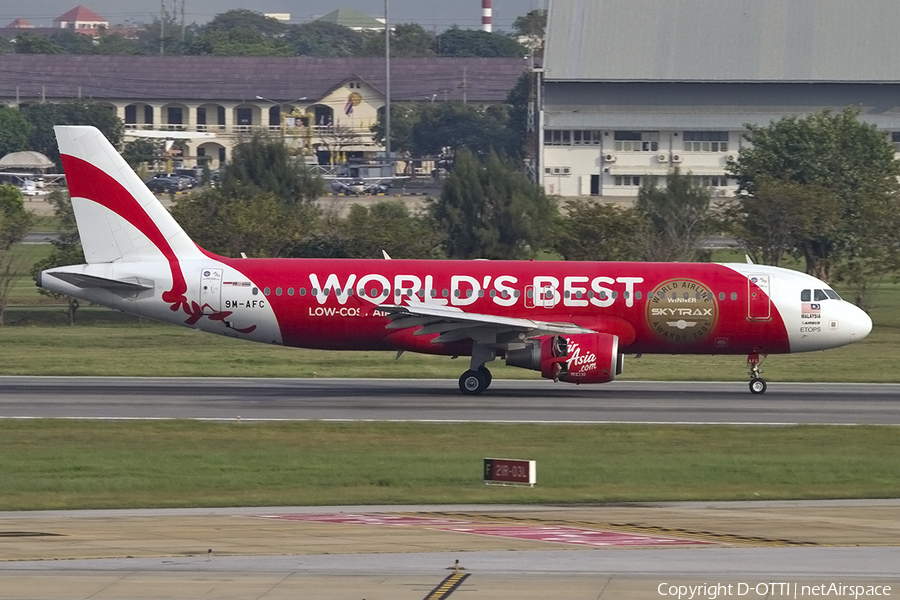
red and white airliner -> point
(571, 321)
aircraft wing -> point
(454, 324)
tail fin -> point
(119, 219)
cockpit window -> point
(806, 296)
(820, 295)
(832, 294)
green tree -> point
(836, 152)
(15, 131)
(257, 223)
(242, 32)
(66, 247)
(529, 30)
(389, 226)
(70, 42)
(114, 43)
(783, 217)
(28, 43)
(44, 116)
(244, 19)
(142, 151)
(408, 40)
(404, 116)
(463, 43)
(675, 219)
(323, 39)
(14, 223)
(594, 231)
(264, 206)
(456, 125)
(263, 164)
(491, 210)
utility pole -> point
(162, 27)
(387, 89)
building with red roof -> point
(82, 20)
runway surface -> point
(623, 552)
(440, 400)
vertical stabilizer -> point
(119, 218)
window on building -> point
(174, 115)
(712, 181)
(585, 137)
(637, 141)
(201, 115)
(558, 171)
(245, 116)
(557, 137)
(706, 141)
(627, 180)
(895, 139)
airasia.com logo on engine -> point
(580, 362)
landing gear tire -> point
(757, 385)
(487, 376)
(472, 383)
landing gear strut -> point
(478, 377)
(757, 383)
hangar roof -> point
(723, 40)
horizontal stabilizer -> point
(81, 280)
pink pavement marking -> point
(572, 535)
(370, 519)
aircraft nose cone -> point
(860, 324)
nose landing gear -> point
(757, 383)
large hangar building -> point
(633, 88)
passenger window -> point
(277, 291)
(820, 295)
(721, 295)
(302, 291)
(255, 291)
(805, 295)
(493, 293)
(516, 293)
(267, 291)
(637, 295)
(734, 295)
(290, 291)
(445, 293)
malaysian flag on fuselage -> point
(813, 307)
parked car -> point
(164, 185)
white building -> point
(633, 88)
(324, 106)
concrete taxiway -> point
(625, 552)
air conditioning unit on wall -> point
(662, 158)
(676, 158)
(609, 157)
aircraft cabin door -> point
(759, 303)
(211, 288)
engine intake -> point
(577, 358)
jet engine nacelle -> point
(577, 358)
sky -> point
(431, 14)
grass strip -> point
(62, 464)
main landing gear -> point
(757, 383)
(477, 378)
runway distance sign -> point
(510, 471)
